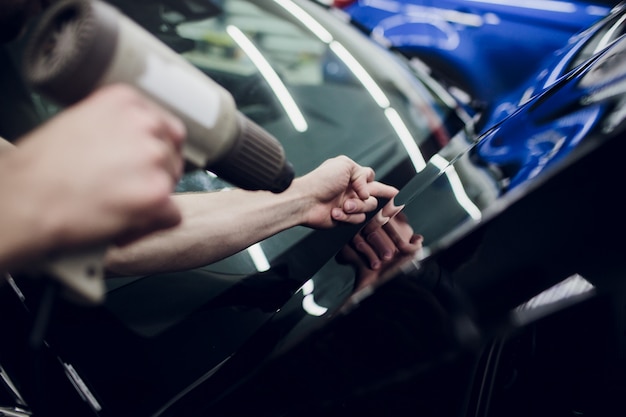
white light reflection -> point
(609, 36)
(606, 40)
(457, 187)
(274, 81)
(548, 5)
(383, 102)
(306, 19)
(258, 257)
(308, 302)
(573, 286)
(406, 138)
(433, 14)
(362, 75)
(390, 6)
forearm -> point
(5, 145)
(215, 225)
(24, 234)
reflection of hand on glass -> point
(384, 242)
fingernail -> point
(375, 265)
(350, 206)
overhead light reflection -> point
(308, 302)
(433, 14)
(259, 259)
(362, 75)
(390, 6)
(406, 138)
(457, 187)
(609, 36)
(306, 19)
(383, 102)
(278, 87)
(548, 5)
(572, 286)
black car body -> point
(456, 330)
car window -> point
(320, 89)
(323, 89)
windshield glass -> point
(321, 90)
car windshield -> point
(321, 90)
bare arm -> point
(5, 145)
(103, 169)
(215, 225)
(218, 224)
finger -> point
(169, 127)
(366, 250)
(360, 178)
(166, 125)
(339, 215)
(390, 209)
(401, 242)
(411, 246)
(161, 155)
(355, 205)
(375, 223)
(173, 129)
(378, 189)
(174, 162)
(382, 244)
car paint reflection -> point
(420, 326)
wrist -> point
(302, 202)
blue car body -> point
(579, 48)
(486, 48)
(521, 147)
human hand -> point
(387, 234)
(377, 247)
(340, 190)
(103, 169)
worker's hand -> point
(379, 246)
(103, 169)
(340, 190)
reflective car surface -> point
(516, 308)
(525, 150)
(487, 48)
(513, 307)
(579, 48)
(323, 89)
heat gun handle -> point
(81, 273)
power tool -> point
(80, 45)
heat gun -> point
(80, 45)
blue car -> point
(486, 48)
(559, 64)
(530, 142)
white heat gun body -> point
(80, 45)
